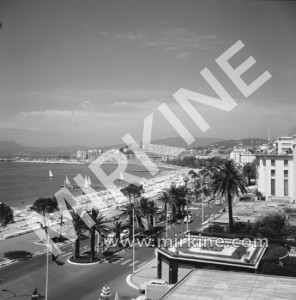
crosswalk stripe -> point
(141, 265)
(133, 263)
(125, 262)
(116, 262)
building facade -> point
(283, 145)
(242, 155)
(275, 176)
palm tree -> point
(173, 191)
(182, 197)
(167, 199)
(118, 227)
(228, 180)
(148, 209)
(79, 226)
(129, 210)
(101, 226)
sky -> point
(89, 71)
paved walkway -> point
(144, 274)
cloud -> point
(171, 39)
(182, 55)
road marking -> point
(141, 265)
(125, 262)
(66, 254)
(133, 263)
(116, 262)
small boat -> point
(66, 182)
(86, 183)
(89, 182)
(50, 174)
(121, 176)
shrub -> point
(216, 228)
(274, 253)
(239, 252)
(20, 255)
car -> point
(179, 221)
(142, 287)
(218, 202)
(188, 220)
(125, 233)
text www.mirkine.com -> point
(181, 242)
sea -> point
(23, 183)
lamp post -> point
(134, 237)
(186, 179)
(205, 171)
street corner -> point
(129, 281)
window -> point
(273, 162)
(285, 163)
(286, 187)
(264, 162)
(286, 173)
(272, 173)
(272, 183)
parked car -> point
(218, 202)
(188, 220)
(124, 234)
(179, 221)
(154, 281)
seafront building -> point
(276, 171)
(241, 155)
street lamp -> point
(186, 179)
(202, 173)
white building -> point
(275, 175)
(283, 145)
(81, 155)
(242, 155)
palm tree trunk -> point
(92, 244)
(77, 248)
(231, 227)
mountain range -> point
(10, 147)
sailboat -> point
(86, 184)
(88, 180)
(66, 182)
(50, 174)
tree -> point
(249, 170)
(45, 206)
(167, 199)
(129, 210)
(79, 226)
(149, 210)
(228, 181)
(6, 214)
(101, 227)
(133, 191)
(182, 198)
(173, 194)
(118, 226)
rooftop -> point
(215, 284)
(216, 251)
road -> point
(76, 282)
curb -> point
(130, 282)
(129, 277)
